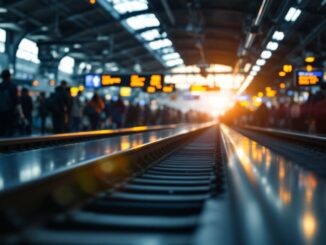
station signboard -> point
(143, 81)
(309, 78)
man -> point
(8, 104)
(26, 103)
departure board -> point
(312, 78)
(148, 82)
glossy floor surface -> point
(275, 201)
(19, 168)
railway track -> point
(160, 201)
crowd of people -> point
(308, 116)
(19, 112)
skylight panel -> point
(3, 36)
(150, 35)
(272, 46)
(171, 56)
(129, 6)
(67, 64)
(167, 50)
(174, 62)
(142, 21)
(292, 15)
(278, 35)
(160, 44)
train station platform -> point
(190, 184)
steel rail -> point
(25, 143)
(70, 187)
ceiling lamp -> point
(287, 68)
(171, 56)
(310, 59)
(292, 14)
(272, 46)
(266, 54)
(278, 35)
(160, 44)
(260, 62)
(256, 68)
(174, 62)
(282, 74)
(142, 21)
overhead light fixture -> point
(171, 56)
(160, 44)
(167, 50)
(310, 59)
(256, 68)
(278, 35)
(247, 67)
(123, 6)
(309, 68)
(253, 73)
(260, 62)
(266, 54)
(282, 74)
(272, 46)
(150, 35)
(174, 62)
(293, 14)
(287, 68)
(142, 21)
(3, 10)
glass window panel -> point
(142, 21)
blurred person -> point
(131, 115)
(67, 99)
(57, 106)
(76, 112)
(117, 112)
(281, 115)
(26, 104)
(42, 110)
(261, 115)
(166, 115)
(295, 116)
(319, 110)
(93, 111)
(8, 104)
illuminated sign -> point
(305, 78)
(134, 81)
(107, 80)
(168, 88)
(151, 89)
(137, 81)
(93, 81)
(125, 91)
(156, 81)
(198, 88)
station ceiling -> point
(202, 31)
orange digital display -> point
(107, 80)
(168, 89)
(305, 78)
(137, 81)
(156, 81)
(151, 89)
(198, 88)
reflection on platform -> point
(18, 168)
(289, 202)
